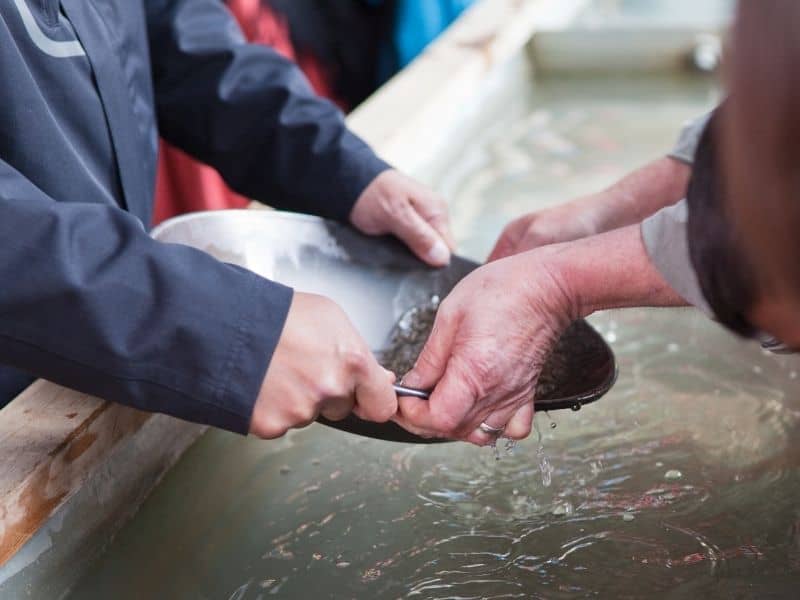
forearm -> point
(610, 270)
(251, 114)
(636, 196)
(91, 302)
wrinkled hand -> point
(396, 204)
(321, 365)
(491, 337)
(564, 223)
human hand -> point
(321, 366)
(564, 223)
(627, 202)
(396, 204)
(489, 342)
(493, 333)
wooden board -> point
(50, 439)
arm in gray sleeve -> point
(665, 238)
(665, 233)
(667, 244)
(686, 146)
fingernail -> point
(439, 254)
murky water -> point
(684, 481)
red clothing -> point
(185, 185)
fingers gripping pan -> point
(388, 295)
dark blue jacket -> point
(88, 300)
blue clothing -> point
(89, 300)
(419, 22)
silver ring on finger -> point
(489, 430)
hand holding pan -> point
(580, 369)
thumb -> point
(432, 361)
(375, 397)
(421, 237)
(507, 242)
(501, 249)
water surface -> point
(683, 481)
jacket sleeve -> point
(91, 302)
(251, 114)
(689, 138)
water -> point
(684, 481)
(662, 13)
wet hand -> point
(321, 366)
(489, 342)
(398, 205)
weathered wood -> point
(51, 438)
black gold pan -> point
(580, 370)
(375, 281)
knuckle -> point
(328, 387)
(303, 413)
(356, 360)
(396, 206)
(267, 429)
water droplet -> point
(627, 517)
(576, 407)
(673, 348)
(611, 337)
(673, 474)
(510, 446)
(793, 375)
(545, 468)
(758, 370)
(495, 449)
(553, 425)
(562, 509)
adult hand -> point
(491, 337)
(321, 366)
(493, 332)
(396, 204)
(630, 200)
(564, 223)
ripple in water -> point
(364, 519)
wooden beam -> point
(51, 439)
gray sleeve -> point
(667, 244)
(666, 241)
(686, 146)
(664, 233)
